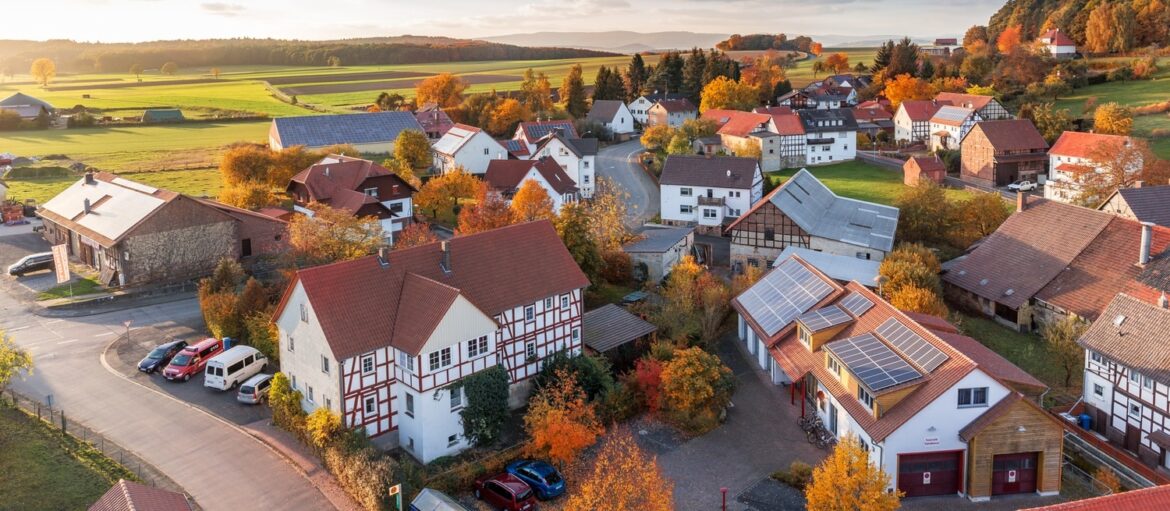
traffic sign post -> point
(396, 492)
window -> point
(372, 192)
(769, 234)
(530, 349)
(485, 151)
(864, 397)
(371, 406)
(529, 313)
(586, 166)
(576, 334)
(753, 262)
(328, 403)
(685, 192)
(1098, 390)
(564, 301)
(310, 393)
(406, 361)
(585, 178)
(324, 364)
(1134, 376)
(439, 359)
(409, 404)
(709, 213)
(293, 379)
(477, 347)
(368, 364)
(304, 313)
(973, 397)
(1135, 410)
(456, 398)
(1147, 382)
(548, 303)
(291, 344)
(686, 209)
(396, 208)
(806, 338)
(453, 439)
(833, 366)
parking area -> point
(17, 241)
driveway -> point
(619, 163)
(219, 465)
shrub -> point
(262, 335)
(695, 388)
(286, 405)
(81, 120)
(322, 427)
(592, 373)
(1160, 133)
(487, 405)
(798, 475)
(9, 120)
(365, 473)
(1121, 74)
(1152, 108)
(620, 403)
(647, 383)
(618, 269)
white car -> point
(1022, 186)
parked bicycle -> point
(810, 422)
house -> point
(1059, 44)
(1141, 499)
(873, 119)
(468, 147)
(822, 96)
(918, 168)
(1058, 260)
(843, 269)
(27, 107)
(372, 133)
(360, 187)
(162, 116)
(942, 47)
(795, 99)
(576, 156)
(1141, 202)
(830, 135)
(613, 114)
(640, 107)
(384, 341)
(708, 145)
(935, 410)
(134, 234)
(434, 121)
(998, 153)
(789, 140)
(912, 120)
(847, 81)
(805, 213)
(129, 495)
(988, 108)
(610, 330)
(671, 112)
(1074, 158)
(741, 132)
(708, 192)
(949, 125)
(1127, 377)
(506, 176)
(657, 249)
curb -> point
(65, 311)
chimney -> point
(326, 171)
(1021, 202)
(89, 178)
(86, 206)
(384, 257)
(445, 262)
(1138, 183)
(1147, 233)
(1163, 302)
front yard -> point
(859, 180)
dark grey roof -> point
(658, 239)
(835, 120)
(820, 212)
(611, 326)
(1133, 333)
(21, 99)
(716, 172)
(585, 146)
(327, 130)
(536, 130)
(654, 98)
(604, 110)
(1149, 203)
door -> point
(245, 247)
(832, 419)
(1101, 422)
(1014, 473)
(934, 473)
(1133, 437)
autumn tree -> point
(507, 114)
(414, 235)
(847, 481)
(536, 92)
(905, 87)
(1113, 119)
(441, 195)
(136, 70)
(1050, 122)
(973, 219)
(14, 361)
(1119, 165)
(1060, 336)
(679, 144)
(561, 421)
(608, 211)
(43, 70)
(169, 68)
(696, 386)
(245, 163)
(490, 211)
(443, 89)
(725, 93)
(694, 303)
(413, 147)
(247, 195)
(918, 299)
(390, 102)
(622, 476)
(215, 72)
(575, 228)
(816, 49)
(531, 202)
(921, 210)
(977, 33)
(573, 93)
(838, 62)
(657, 137)
(1009, 39)
(910, 265)
(332, 235)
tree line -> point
(1127, 24)
(765, 42)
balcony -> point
(711, 201)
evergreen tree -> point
(573, 93)
(881, 59)
(635, 77)
(692, 81)
(782, 87)
(673, 64)
(904, 58)
(927, 71)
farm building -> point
(919, 167)
(369, 132)
(162, 115)
(26, 106)
(657, 250)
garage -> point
(935, 473)
(1014, 473)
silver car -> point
(255, 389)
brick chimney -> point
(1021, 201)
(445, 261)
(89, 178)
(1147, 233)
(1138, 183)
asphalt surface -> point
(619, 164)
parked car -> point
(255, 389)
(192, 359)
(1022, 185)
(505, 491)
(540, 476)
(31, 263)
(228, 369)
(434, 500)
(161, 356)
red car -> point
(505, 491)
(191, 360)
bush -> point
(620, 403)
(798, 475)
(1121, 74)
(618, 269)
(9, 120)
(487, 405)
(460, 476)
(81, 120)
(1160, 133)
(592, 373)
(1152, 108)
(323, 427)
(285, 402)
(365, 473)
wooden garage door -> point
(935, 473)
(1014, 473)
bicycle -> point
(810, 422)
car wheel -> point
(477, 494)
(186, 377)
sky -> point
(145, 20)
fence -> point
(59, 419)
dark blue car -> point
(160, 356)
(542, 477)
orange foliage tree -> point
(442, 193)
(506, 116)
(1009, 39)
(414, 235)
(918, 299)
(838, 62)
(560, 420)
(531, 202)
(489, 212)
(847, 481)
(904, 87)
(695, 387)
(443, 89)
(622, 476)
(816, 49)
(648, 382)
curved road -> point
(218, 465)
(619, 164)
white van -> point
(233, 366)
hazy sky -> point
(140, 20)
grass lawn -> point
(606, 293)
(1025, 350)
(802, 74)
(197, 182)
(81, 287)
(44, 469)
(859, 180)
(1132, 93)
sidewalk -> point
(304, 461)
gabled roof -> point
(999, 409)
(131, 496)
(509, 174)
(531, 131)
(1076, 144)
(1141, 499)
(1148, 203)
(335, 179)
(952, 115)
(1011, 135)
(580, 147)
(656, 240)
(604, 110)
(610, 326)
(116, 206)
(1057, 38)
(822, 213)
(832, 120)
(972, 101)
(737, 123)
(455, 139)
(515, 147)
(433, 119)
(362, 305)
(1133, 332)
(927, 164)
(772, 110)
(839, 268)
(327, 130)
(788, 124)
(715, 172)
(871, 114)
(676, 105)
(920, 110)
(21, 99)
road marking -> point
(19, 328)
(51, 321)
(69, 341)
(105, 334)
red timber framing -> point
(363, 381)
(422, 379)
(554, 320)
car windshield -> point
(523, 495)
(181, 359)
(158, 352)
(247, 389)
(552, 478)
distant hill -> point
(617, 41)
(1071, 16)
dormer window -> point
(833, 365)
(865, 397)
(805, 336)
(372, 192)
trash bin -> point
(1086, 421)
(228, 342)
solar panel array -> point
(912, 345)
(824, 317)
(856, 303)
(874, 363)
(784, 293)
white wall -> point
(903, 126)
(580, 170)
(623, 121)
(557, 199)
(843, 148)
(671, 201)
(304, 360)
(639, 108)
(474, 155)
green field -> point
(1133, 93)
(196, 182)
(802, 74)
(860, 180)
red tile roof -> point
(870, 114)
(921, 110)
(772, 110)
(1012, 135)
(334, 173)
(362, 305)
(131, 496)
(1058, 38)
(1083, 145)
(1144, 499)
(972, 101)
(677, 105)
(988, 360)
(508, 175)
(788, 124)
(927, 164)
(737, 123)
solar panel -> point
(782, 294)
(824, 317)
(912, 345)
(874, 363)
(856, 303)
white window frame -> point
(304, 313)
(710, 213)
(477, 346)
(1135, 410)
(834, 366)
(530, 313)
(325, 364)
(439, 359)
(865, 397)
(686, 209)
(372, 192)
(1098, 390)
(686, 192)
(373, 364)
(291, 344)
(576, 334)
(366, 405)
(309, 394)
(564, 301)
(405, 360)
(456, 398)
(548, 303)
(409, 406)
(530, 349)
(970, 394)
(452, 440)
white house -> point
(468, 147)
(937, 411)
(384, 341)
(1071, 162)
(987, 107)
(612, 114)
(949, 125)
(1059, 44)
(912, 120)
(830, 135)
(530, 133)
(640, 107)
(576, 156)
(706, 192)
(671, 112)
(506, 176)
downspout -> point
(1040, 400)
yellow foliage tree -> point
(443, 89)
(322, 426)
(1113, 119)
(657, 137)
(531, 202)
(904, 87)
(506, 116)
(622, 476)
(14, 361)
(412, 148)
(847, 481)
(918, 299)
(414, 235)
(43, 70)
(560, 420)
(332, 235)
(246, 163)
(695, 386)
(723, 92)
(247, 195)
(442, 193)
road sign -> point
(396, 492)
(61, 263)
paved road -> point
(619, 164)
(220, 466)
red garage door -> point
(1014, 473)
(935, 473)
